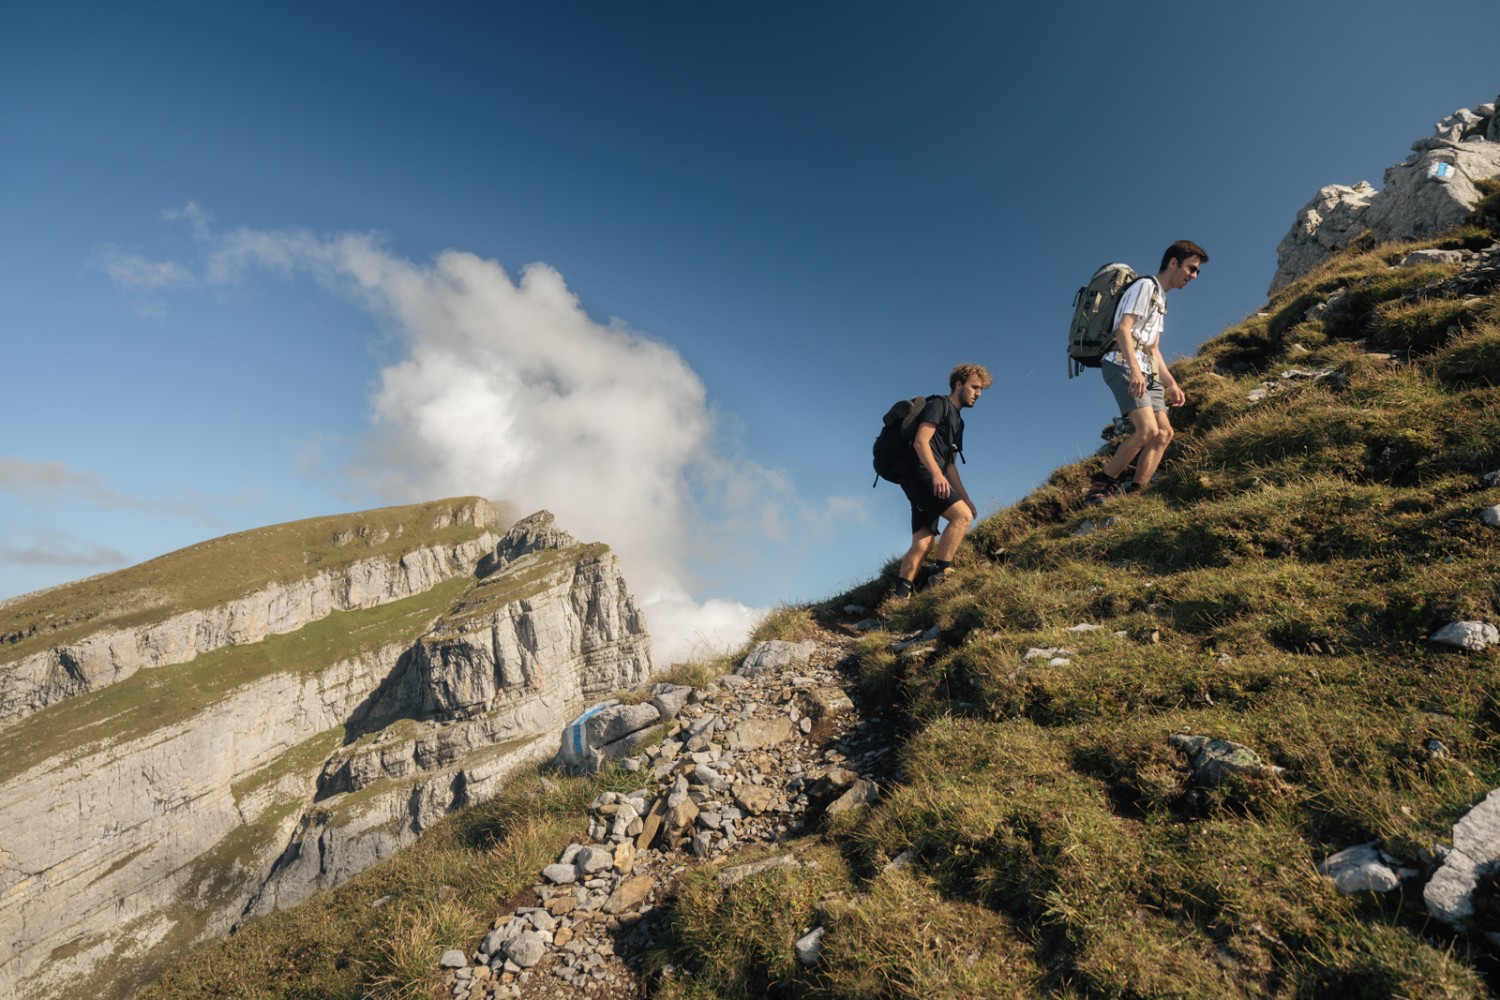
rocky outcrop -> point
(33, 682)
(182, 800)
(485, 691)
(1431, 190)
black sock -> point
(938, 565)
(903, 588)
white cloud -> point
(135, 273)
(52, 481)
(57, 548)
(509, 389)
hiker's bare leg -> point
(959, 518)
(1155, 448)
(1144, 423)
(921, 542)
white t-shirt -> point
(1148, 304)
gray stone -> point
(560, 874)
(595, 859)
(1216, 761)
(753, 734)
(1361, 868)
(738, 873)
(453, 959)
(1467, 635)
(669, 699)
(809, 947)
(1476, 846)
(1491, 515)
(526, 949)
(775, 655)
(862, 792)
(1417, 258)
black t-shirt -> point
(948, 439)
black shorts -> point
(926, 506)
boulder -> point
(1431, 190)
(1473, 636)
(774, 655)
(1215, 762)
(1476, 847)
(1361, 868)
(605, 731)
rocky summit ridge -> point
(1433, 189)
(167, 775)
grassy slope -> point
(1274, 588)
(212, 573)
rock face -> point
(33, 682)
(185, 799)
(1431, 190)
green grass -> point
(1274, 588)
(215, 572)
(441, 894)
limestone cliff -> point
(1431, 190)
(113, 650)
(141, 816)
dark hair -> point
(1182, 250)
(962, 373)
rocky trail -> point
(759, 757)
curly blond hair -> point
(962, 373)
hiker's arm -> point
(1125, 344)
(958, 489)
(922, 442)
(1175, 395)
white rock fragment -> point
(1476, 844)
(809, 947)
(1360, 869)
(1466, 635)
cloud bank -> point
(507, 388)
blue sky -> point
(264, 262)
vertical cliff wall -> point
(141, 816)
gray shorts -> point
(1118, 380)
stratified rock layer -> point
(190, 797)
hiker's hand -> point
(1175, 395)
(1137, 385)
(940, 487)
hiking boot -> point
(936, 577)
(1101, 488)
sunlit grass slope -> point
(212, 573)
(1275, 588)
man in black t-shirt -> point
(934, 487)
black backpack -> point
(895, 459)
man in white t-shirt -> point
(1137, 375)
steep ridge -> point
(154, 811)
(69, 640)
(1235, 736)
